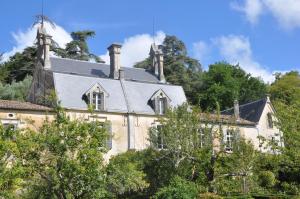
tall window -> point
(270, 120)
(97, 100)
(160, 137)
(229, 140)
(161, 106)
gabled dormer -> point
(96, 96)
(160, 102)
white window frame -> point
(229, 136)
(95, 102)
(162, 105)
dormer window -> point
(160, 102)
(97, 101)
(96, 97)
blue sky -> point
(262, 35)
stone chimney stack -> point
(157, 57)
(236, 109)
(44, 42)
(114, 54)
(160, 59)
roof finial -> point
(41, 19)
(42, 22)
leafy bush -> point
(16, 90)
(178, 189)
(267, 179)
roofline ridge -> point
(76, 60)
(244, 104)
(129, 80)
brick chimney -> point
(44, 42)
(236, 109)
(114, 54)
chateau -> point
(130, 99)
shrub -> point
(267, 179)
(178, 189)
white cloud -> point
(26, 38)
(251, 8)
(286, 12)
(236, 49)
(136, 48)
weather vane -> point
(41, 18)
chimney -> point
(160, 59)
(157, 57)
(114, 54)
(236, 110)
(44, 42)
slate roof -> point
(250, 111)
(16, 105)
(129, 96)
(91, 69)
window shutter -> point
(156, 105)
(102, 101)
(166, 105)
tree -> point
(78, 47)
(285, 92)
(19, 66)
(286, 88)
(178, 188)
(16, 90)
(192, 148)
(125, 177)
(223, 83)
(64, 159)
(179, 69)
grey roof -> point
(139, 94)
(70, 89)
(86, 68)
(251, 111)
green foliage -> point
(223, 83)
(18, 66)
(286, 88)
(285, 92)
(190, 151)
(16, 90)
(178, 189)
(266, 179)
(78, 47)
(62, 160)
(11, 169)
(124, 176)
